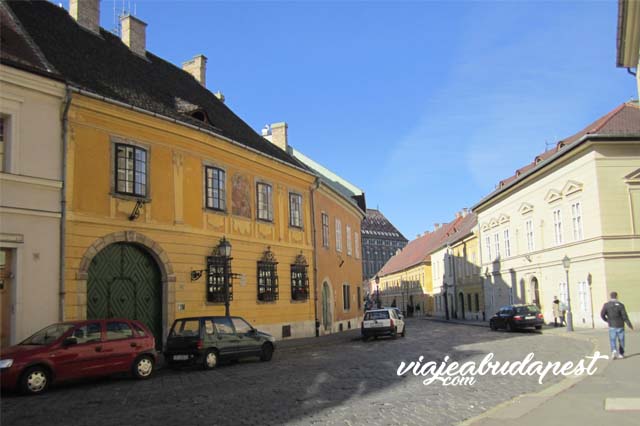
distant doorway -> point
(461, 301)
(535, 292)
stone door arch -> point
(152, 249)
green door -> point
(124, 282)
(326, 306)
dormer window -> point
(200, 116)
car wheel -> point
(538, 327)
(35, 380)
(365, 338)
(267, 352)
(143, 367)
(394, 334)
(510, 327)
(404, 331)
(492, 326)
(210, 359)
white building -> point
(580, 200)
(30, 187)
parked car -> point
(78, 349)
(516, 317)
(205, 341)
(380, 322)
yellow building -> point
(457, 283)
(158, 170)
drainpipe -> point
(63, 198)
(314, 187)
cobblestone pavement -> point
(342, 381)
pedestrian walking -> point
(556, 312)
(614, 313)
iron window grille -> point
(217, 268)
(295, 210)
(215, 188)
(268, 277)
(300, 279)
(131, 170)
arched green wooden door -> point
(326, 306)
(125, 282)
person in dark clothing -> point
(614, 313)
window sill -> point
(129, 197)
(296, 228)
(215, 211)
(299, 301)
(266, 302)
(265, 221)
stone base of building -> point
(289, 330)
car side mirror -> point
(70, 341)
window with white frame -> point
(265, 201)
(557, 226)
(563, 294)
(576, 218)
(496, 239)
(295, 210)
(348, 230)
(338, 235)
(215, 188)
(487, 242)
(356, 240)
(507, 243)
(325, 230)
(583, 296)
(530, 236)
(3, 138)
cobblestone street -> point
(334, 381)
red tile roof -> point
(420, 249)
(622, 121)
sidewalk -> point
(588, 400)
(329, 339)
(484, 324)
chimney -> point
(134, 34)
(266, 132)
(86, 13)
(279, 135)
(197, 67)
(458, 215)
(220, 96)
(465, 212)
(436, 226)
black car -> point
(517, 317)
(205, 340)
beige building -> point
(580, 200)
(628, 48)
(455, 267)
(31, 104)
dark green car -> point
(206, 340)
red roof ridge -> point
(608, 118)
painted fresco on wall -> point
(241, 196)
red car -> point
(78, 349)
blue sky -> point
(424, 105)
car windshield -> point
(376, 315)
(47, 335)
(523, 310)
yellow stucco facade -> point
(173, 226)
(412, 286)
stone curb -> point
(508, 409)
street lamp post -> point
(566, 262)
(404, 305)
(378, 304)
(224, 251)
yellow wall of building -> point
(339, 267)
(174, 217)
(415, 281)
